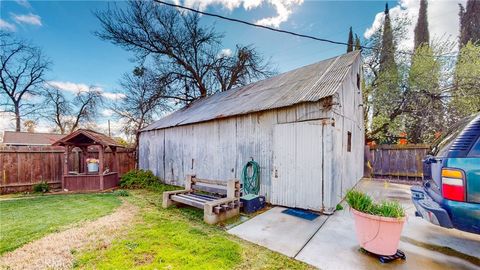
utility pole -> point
(109, 135)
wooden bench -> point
(220, 200)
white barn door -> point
(297, 165)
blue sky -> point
(66, 36)
(64, 30)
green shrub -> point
(364, 203)
(41, 187)
(121, 193)
(139, 179)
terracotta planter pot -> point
(379, 235)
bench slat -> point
(192, 197)
(181, 199)
(210, 189)
(205, 197)
(210, 181)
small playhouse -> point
(91, 173)
(304, 128)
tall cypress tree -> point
(358, 46)
(425, 116)
(422, 36)
(387, 52)
(350, 41)
(386, 92)
(470, 22)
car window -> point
(442, 145)
(475, 151)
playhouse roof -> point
(86, 137)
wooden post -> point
(83, 160)
(116, 165)
(100, 167)
(65, 165)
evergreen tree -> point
(466, 97)
(425, 116)
(350, 41)
(470, 23)
(358, 46)
(387, 52)
(386, 93)
(422, 36)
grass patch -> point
(177, 238)
(364, 203)
(27, 219)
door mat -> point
(300, 213)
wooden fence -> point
(24, 166)
(395, 161)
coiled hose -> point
(251, 183)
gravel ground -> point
(55, 251)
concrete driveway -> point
(329, 242)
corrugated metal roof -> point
(308, 83)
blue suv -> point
(450, 195)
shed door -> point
(297, 165)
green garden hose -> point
(251, 184)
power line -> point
(256, 25)
(280, 30)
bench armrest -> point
(208, 207)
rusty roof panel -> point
(308, 83)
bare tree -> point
(244, 66)
(22, 71)
(69, 115)
(187, 54)
(144, 100)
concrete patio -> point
(329, 242)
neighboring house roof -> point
(306, 84)
(28, 138)
(86, 136)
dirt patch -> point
(55, 251)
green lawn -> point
(177, 238)
(25, 219)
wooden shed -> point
(304, 127)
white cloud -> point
(249, 4)
(283, 8)
(203, 4)
(443, 19)
(28, 19)
(107, 112)
(116, 128)
(225, 52)
(113, 96)
(72, 87)
(6, 26)
(7, 121)
(82, 87)
(23, 3)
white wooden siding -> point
(297, 165)
(220, 148)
